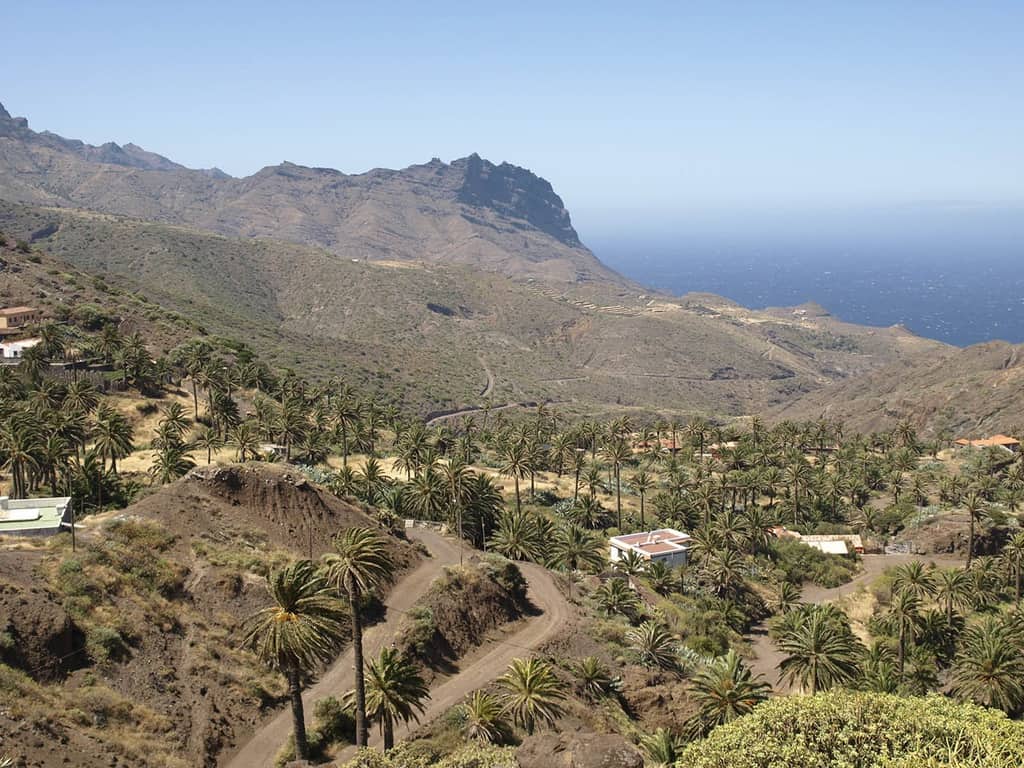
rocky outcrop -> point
(578, 750)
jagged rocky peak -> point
(517, 193)
(9, 126)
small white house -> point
(12, 350)
(34, 517)
(666, 545)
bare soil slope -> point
(162, 589)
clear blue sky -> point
(636, 112)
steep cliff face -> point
(516, 193)
(471, 212)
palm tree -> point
(786, 598)
(660, 577)
(532, 693)
(171, 461)
(457, 477)
(616, 597)
(913, 579)
(595, 682)
(975, 506)
(903, 616)
(654, 645)
(427, 494)
(483, 715)
(953, 589)
(643, 482)
(990, 667)
(630, 564)
(516, 537)
(1013, 555)
(515, 463)
(663, 748)
(303, 628)
(346, 414)
(359, 563)
(395, 690)
(617, 453)
(577, 549)
(820, 651)
(246, 439)
(208, 440)
(725, 690)
(112, 436)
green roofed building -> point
(34, 517)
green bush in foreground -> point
(851, 730)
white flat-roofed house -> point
(34, 517)
(665, 545)
(13, 350)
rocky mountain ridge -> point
(500, 217)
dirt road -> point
(493, 659)
(260, 750)
(767, 657)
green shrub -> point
(861, 730)
(796, 563)
(104, 644)
(22, 246)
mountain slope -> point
(975, 391)
(438, 336)
(495, 217)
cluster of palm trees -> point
(940, 624)
(60, 437)
(314, 608)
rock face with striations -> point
(500, 218)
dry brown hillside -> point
(496, 217)
(975, 391)
(442, 337)
(126, 652)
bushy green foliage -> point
(797, 563)
(469, 756)
(847, 730)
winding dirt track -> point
(485, 668)
(767, 657)
(338, 678)
(490, 662)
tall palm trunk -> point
(362, 731)
(298, 714)
(518, 504)
(389, 733)
(642, 524)
(618, 496)
(970, 543)
(902, 649)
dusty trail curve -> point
(496, 655)
(261, 748)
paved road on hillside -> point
(260, 750)
(496, 655)
(767, 657)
